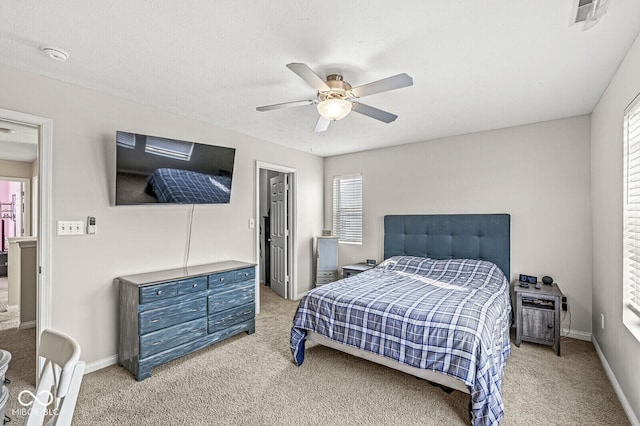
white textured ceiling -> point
(476, 65)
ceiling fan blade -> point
(384, 85)
(322, 124)
(308, 75)
(372, 112)
(286, 105)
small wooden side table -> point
(538, 315)
(356, 268)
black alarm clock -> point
(547, 280)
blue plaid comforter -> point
(450, 316)
(187, 187)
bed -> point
(437, 307)
(188, 187)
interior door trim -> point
(45, 188)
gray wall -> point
(619, 346)
(538, 173)
(134, 239)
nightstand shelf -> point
(538, 315)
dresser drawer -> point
(327, 274)
(245, 274)
(222, 278)
(192, 285)
(170, 337)
(231, 317)
(158, 292)
(164, 317)
(238, 296)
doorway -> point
(15, 229)
(275, 230)
(39, 130)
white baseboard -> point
(100, 364)
(25, 325)
(576, 334)
(616, 386)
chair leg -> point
(68, 404)
(36, 412)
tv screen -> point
(152, 170)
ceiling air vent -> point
(590, 12)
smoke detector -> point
(56, 53)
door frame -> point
(291, 217)
(44, 236)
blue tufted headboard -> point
(460, 236)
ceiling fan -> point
(336, 98)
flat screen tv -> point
(152, 170)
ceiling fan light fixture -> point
(334, 109)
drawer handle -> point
(246, 274)
(549, 325)
(195, 285)
(154, 320)
(156, 343)
(159, 292)
(195, 310)
(221, 279)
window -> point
(632, 214)
(171, 148)
(126, 140)
(347, 208)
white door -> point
(279, 233)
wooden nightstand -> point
(356, 268)
(538, 315)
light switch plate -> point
(70, 227)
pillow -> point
(410, 264)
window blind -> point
(171, 148)
(632, 207)
(347, 208)
(126, 140)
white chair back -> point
(60, 379)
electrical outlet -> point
(70, 227)
(602, 321)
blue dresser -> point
(167, 314)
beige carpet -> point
(251, 380)
(9, 315)
(22, 367)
